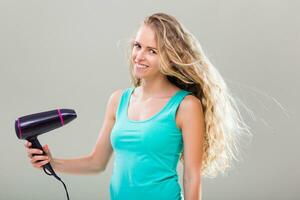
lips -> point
(141, 66)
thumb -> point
(46, 149)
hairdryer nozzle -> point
(35, 124)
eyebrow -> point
(146, 47)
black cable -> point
(58, 178)
(64, 186)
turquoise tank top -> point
(146, 153)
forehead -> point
(146, 36)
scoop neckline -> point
(153, 116)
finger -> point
(40, 164)
(31, 155)
(36, 159)
(45, 148)
(27, 144)
(34, 151)
(37, 166)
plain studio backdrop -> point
(72, 54)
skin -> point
(146, 100)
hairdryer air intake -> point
(30, 126)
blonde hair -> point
(186, 66)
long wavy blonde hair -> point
(186, 66)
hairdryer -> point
(30, 126)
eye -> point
(152, 51)
(137, 45)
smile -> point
(141, 66)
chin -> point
(138, 74)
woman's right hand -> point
(38, 160)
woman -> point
(179, 108)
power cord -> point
(58, 178)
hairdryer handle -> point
(36, 144)
(47, 167)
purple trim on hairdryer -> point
(20, 131)
(60, 116)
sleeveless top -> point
(146, 153)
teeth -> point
(141, 66)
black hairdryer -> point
(30, 126)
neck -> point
(155, 88)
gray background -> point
(71, 54)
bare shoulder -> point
(189, 103)
(116, 95)
(189, 107)
(113, 102)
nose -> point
(139, 56)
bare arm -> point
(191, 121)
(97, 160)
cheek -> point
(133, 54)
(155, 62)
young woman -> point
(179, 108)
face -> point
(145, 56)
